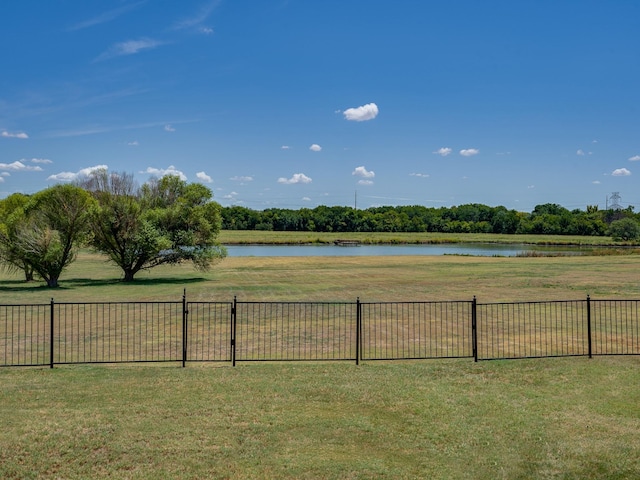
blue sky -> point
(299, 103)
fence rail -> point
(181, 331)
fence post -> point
(185, 313)
(233, 331)
(358, 329)
(51, 342)
(474, 328)
(589, 325)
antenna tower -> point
(615, 201)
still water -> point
(476, 249)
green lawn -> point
(552, 418)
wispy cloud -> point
(421, 175)
(361, 114)
(41, 160)
(130, 47)
(72, 176)
(315, 147)
(635, 158)
(112, 128)
(296, 178)
(6, 134)
(285, 147)
(198, 18)
(106, 16)
(240, 178)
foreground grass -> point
(554, 418)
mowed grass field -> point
(549, 418)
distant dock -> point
(347, 243)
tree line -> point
(164, 221)
(549, 218)
(170, 221)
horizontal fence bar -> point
(115, 332)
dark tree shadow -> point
(71, 283)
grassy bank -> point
(240, 237)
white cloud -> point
(206, 30)
(6, 134)
(530, 187)
(444, 151)
(18, 166)
(361, 114)
(241, 178)
(421, 175)
(469, 152)
(635, 158)
(296, 178)
(133, 144)
(129, 47)
(306, 199)
(365, 182)
(204, 177)
(41, 160)
(160, 172)
(169, 128)
(315, 147)
(580, 152)
(1, 179)
(621, 172)
(596, 182)
(5, 174)
(71, 176)
(285, 147)
(363, 172)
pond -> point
(474, 249)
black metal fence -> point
(181, 331)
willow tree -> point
(52, 225)
(166, 221)
(12, 216)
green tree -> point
(12, 216)
(166, 221)
(624, 229)
(53, 226)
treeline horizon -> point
(548, 219)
